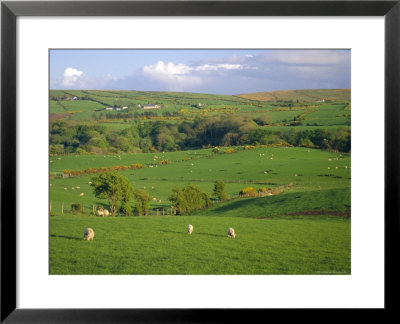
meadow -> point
(303, 230)
(280, 106)
(304, 227)
(160, 245)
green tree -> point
(188, 199)
(142, 204)
(114, 187)
(219, 190)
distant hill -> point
(300, 95)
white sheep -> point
(78, 187)
(190, 229)
(88, 234)
(81, 194)
(105, 212)
(231, 232)
(100, 213)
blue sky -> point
(205, 71)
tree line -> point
(118, 191)
(153, 136)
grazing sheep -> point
(78, 187)
(73, 188)
(106, 212)
(190, 229)
(231, 232)
(100, 213)
(88, 234)
(81, 194)
(90, 182)
(65, 188)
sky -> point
(201, 71)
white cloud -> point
(180, 77)
(175, 77)
(72, 77)
(217, 67)
(307, 57)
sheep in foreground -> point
(105, 212)
(190, 229)
(88, 234)
(231, 232)
(100, 213)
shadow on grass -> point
(194, 233)
(289, 202)
(67, 237)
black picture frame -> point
(10, 10)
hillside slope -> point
(300, 95)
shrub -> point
(219, 190)
(76, 208)
(229, 151)
(142, 201)
(248, 192)
(162, 162)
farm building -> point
(116, 108)
(151, 107)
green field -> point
(287, 105)
(303, 226)
(159, 245)
(304, 230)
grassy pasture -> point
(189, 106)
(306, 169)
(303, 230)
(301, 95)
(160, 245)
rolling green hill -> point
(291, 147)
(300, 95)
